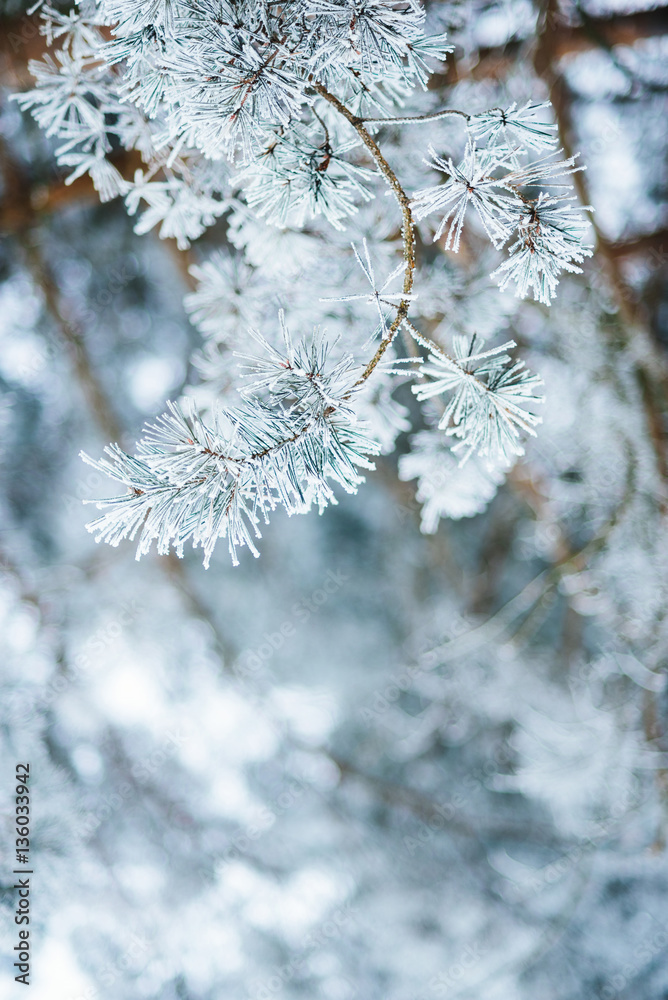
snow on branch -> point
(492, 400)
(193, 482)
(275, 113)
(550, 230)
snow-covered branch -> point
(193, 482)
(274, 115)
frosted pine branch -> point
(190, 481)
(470, 182)
(492, 401)
(515, 125)
(550, 238)
(274, 114)
(445, 487)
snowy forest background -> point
(376, 762)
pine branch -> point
(193, 482)
(166, 93)
(407, 234)
(487, 410)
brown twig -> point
(407, 233)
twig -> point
(416, 119)
(407, 233)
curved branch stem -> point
(431, 116)
(407, 234)
(269, 450)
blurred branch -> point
(655, 734)
(523, 607)
(28, 201)
(649, 367)
(18, 198)
(18, 194)
(28, 593)
(596, 32)
(424, 806)
(653, 244)
(20, 41)
(606, 40)
(74, 340)
(495, 62)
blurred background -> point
(374, 763)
